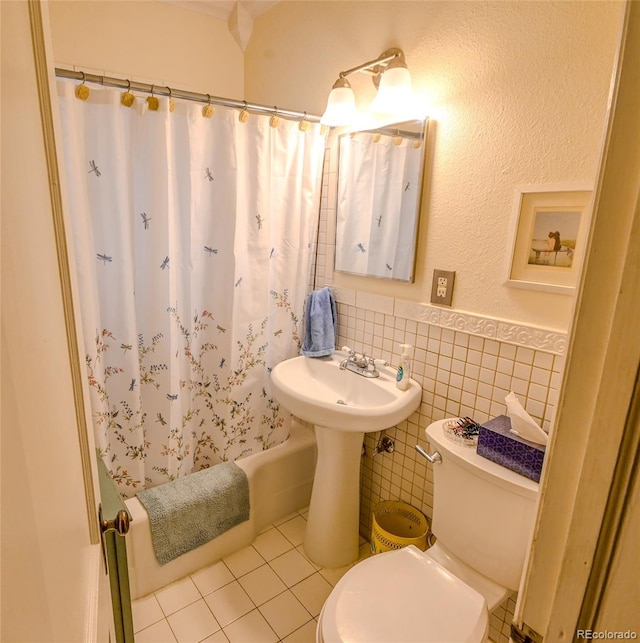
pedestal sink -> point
(342, 405)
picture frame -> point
(548, 236)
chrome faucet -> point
(365, 366)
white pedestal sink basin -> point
(342, 405)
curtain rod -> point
(163, 90)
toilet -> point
(482, 518)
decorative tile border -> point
(488, 327)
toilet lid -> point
(405, 596)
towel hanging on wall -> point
(320, 324)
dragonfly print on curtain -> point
(192, 241)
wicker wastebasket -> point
(397, 524)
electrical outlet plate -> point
(442, 287)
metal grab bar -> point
(435, 458)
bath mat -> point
(191, 511)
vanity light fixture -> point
(390, 76)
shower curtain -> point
(379, 178)
(192, 239)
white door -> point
(53, 583)
(578, 566)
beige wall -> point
(517, 92)
(50, 569)
(148, 41)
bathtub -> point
(280, 481)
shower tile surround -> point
(465, 363)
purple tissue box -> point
(498, 444)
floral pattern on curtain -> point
(192, 242)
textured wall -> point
(517, 92)
(150, 42)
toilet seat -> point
(402, 595)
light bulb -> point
(394, 93)
(341, 105)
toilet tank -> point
(483, 513)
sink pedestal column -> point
(332, 536)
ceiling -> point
(222, 8)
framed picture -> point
(548, 239)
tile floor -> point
(267, 592)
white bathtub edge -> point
(280, 481)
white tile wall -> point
(461, 373)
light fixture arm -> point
(375, 66)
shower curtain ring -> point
(303, 125)
(152, 101)
(207, 110)
(127, 98)
(275, 119)
(243, 116)
(172, 103)
(82, 91)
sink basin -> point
(316, 390)
(343, 406)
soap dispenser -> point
(404, 368)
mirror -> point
(380, 176)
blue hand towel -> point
(321, 320)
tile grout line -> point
(236, 578)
